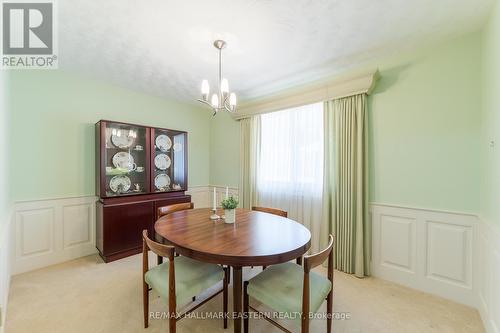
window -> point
(291, 152)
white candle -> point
(215, 200)
(227, 192)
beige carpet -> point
(86, 295)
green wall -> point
(52, 130)
(224, 150)
(424, 129)
(490, 156)
(4, 160)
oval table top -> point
(256, 239)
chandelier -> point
(221, 100)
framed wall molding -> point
(428, 250)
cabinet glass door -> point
(169, 161)
(125, 159)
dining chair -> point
(278, 212)
(293, 289)
(273, 211)
(177, 280)
(165, 210)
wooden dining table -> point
(256, 239)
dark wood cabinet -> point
(138, 169)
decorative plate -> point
(162, 181)
(163, 142)
(177, 146)
(119, 184)
(162, 162)
(124, 160)
(123, 141)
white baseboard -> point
(428, 250)
(48, 232)
(489, 276)
(5, 266)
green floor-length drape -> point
(345, 191)
(249, 146)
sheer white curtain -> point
(290, 165)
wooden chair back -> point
(310, 262)
(165, 210)
(273, 211)
(157, 248)
(313, 260)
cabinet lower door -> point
(122, 227)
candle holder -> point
(214, 215)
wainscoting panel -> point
(199, 196)
(397, 243)
(48, 232)
(202, 196)
(489, 276)
(427, 250)
(53, 231)
(6, 237)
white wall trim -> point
(202, 196)
(489, 276)
(323, 92)
(48, 232)
(429, 250)
(6, 242)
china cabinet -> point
(138, 169)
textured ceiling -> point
(164, 47)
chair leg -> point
(225, 295)
(245, 307)
(305, 323)
(194, 298)
(160, 260)
(329, 306)
(264, 267)
(172, 324)
(145, 304)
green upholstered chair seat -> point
(191, 278)
(280, 288)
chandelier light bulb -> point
(232, 99)
(224, 86)
(215, 101)
(205, 88)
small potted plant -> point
(229, 205)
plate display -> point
(120, 184)
(162, 162)
(124, 160)
(163, 142)
(162, 181)
(123, 141)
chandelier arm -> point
(205, 102)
